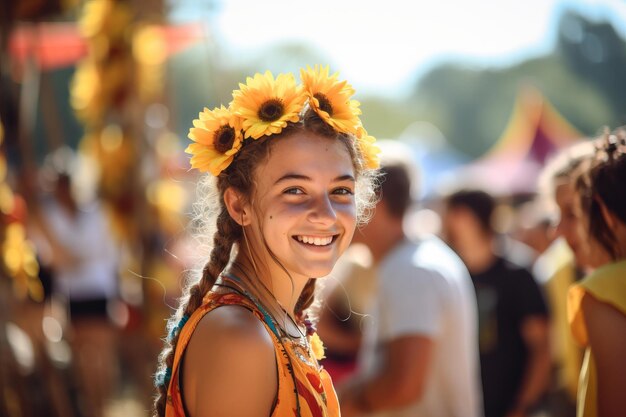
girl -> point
(293, 168)
(597, 305)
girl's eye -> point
(343, 191)
(293, 191)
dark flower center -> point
(271, 110)
(224, 139)
(324, 103)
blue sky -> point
(380, 46)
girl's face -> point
(571, 225)
(303, 205)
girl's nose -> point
(322, 211)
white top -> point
(92, 274)
(424, 289)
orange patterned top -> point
(305, 392)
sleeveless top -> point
(304, 388)
(607, 284)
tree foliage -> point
(582, 78)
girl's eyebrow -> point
(301, 177)
(346, 177)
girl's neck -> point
(275, 289)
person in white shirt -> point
(85, 278)
(420, 352)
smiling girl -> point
(291, 168)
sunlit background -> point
(484, 93)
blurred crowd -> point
(477, 308)
(504, 327)
(76, 328)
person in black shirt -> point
(513, 318)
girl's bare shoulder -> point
(229, 355)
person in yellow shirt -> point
(597, 305)
(563, 263)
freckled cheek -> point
(279, 221)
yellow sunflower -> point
(217, 136)
(18, 256)
(370, 152)
(330, 98)
(317, 346)
(105, 17)
(266, 104)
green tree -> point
(581, 78)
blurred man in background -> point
(419, 356)
(513, 318)
(84, 263)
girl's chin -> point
(315, 273)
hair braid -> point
(227, 233)
(306, 298)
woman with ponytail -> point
(291, 170)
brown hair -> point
(480, 203)
(601, 181)
(228, 232)
(394, 188)
(562, 168)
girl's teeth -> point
(317, 241)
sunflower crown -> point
(264, 105)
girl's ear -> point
(237, 207)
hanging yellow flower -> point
(266, 104)
(330, 98)
(370, 152)
(20, 261)
(3, 168)
(104, 17)
(217, 136)
(317, 346)
(150, 52)
(85, 89)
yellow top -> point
(557, 265)
(566, 351)
(608, 285)
(305, 392)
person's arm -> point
(535, 333)
(229, 367)
(606, 328)
(399, 382)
